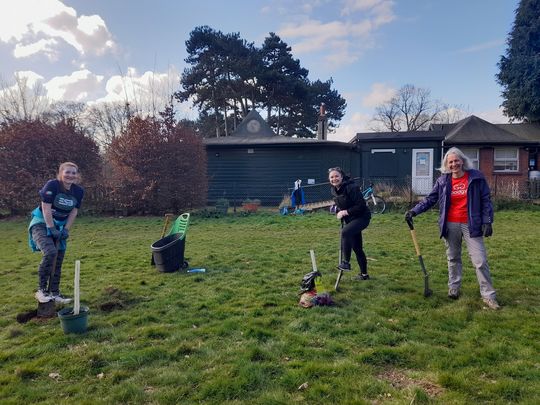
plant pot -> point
(72, 323)
(250, 207)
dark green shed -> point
(396, 157)
(256, 163)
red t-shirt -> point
(458, 199)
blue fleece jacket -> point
(479, 207)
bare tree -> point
(21, 101)
(108, 121)
(411, 109)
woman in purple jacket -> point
(465, 212)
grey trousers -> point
(48, 250)
(477, 252)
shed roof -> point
(253, 125)
(254, 131)
(474, 130)
(398, 136)
(527, 131)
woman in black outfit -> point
(355, 216)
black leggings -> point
(351, 240)
(48, 251)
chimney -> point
(322, 124)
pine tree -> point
(519, 73)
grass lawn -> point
(236, 335)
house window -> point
(472, 154)
(506, 160)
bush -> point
(31, 151)
(157, 168)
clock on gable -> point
(253, 126)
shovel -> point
(427, 291)
(165, 226)
(48, 309)
(340, 272)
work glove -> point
(487, 230)
(53, 232)
(64, 234)
(409, 215)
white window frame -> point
(506, 160)
(474, 160)
(383, 151)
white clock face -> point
(253, 126)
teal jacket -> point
(37, 218)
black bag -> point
(308, 282)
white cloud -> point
(380, 93)
(30, 22)
(45, 46)
(146, 92)
(79, 86)
(380, 11)
(481, 47)
(359, 122)
(342, 41)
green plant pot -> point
(72, 323)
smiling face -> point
(455, 165)
(68, 175)
(335, 178)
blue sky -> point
(101, 50)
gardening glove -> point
(53, 232)
(64, 234)
(487, 230)
(409, 215)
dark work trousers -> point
(48, 250)
(351, 240)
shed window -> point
(506, 160)
(473, 155)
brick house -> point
(508, 154)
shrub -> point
(31, 151)
(157, 168)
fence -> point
(397, 192)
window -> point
(506, 160)
(473, 155)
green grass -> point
(236, 335)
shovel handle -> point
(166, 224)
(413, 234)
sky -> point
(107, 50)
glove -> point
(53, 232)
(487, 230)
(409, 215)
(64, 234)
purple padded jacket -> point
(479, 207)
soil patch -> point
(400, 380)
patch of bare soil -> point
(400, 380)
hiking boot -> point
(453, 293)
(362, 276)
(60, 299)
(42, 296)
(344, 266)
(491, 303)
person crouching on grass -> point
(354, 213)
(49, 228)
(465, 212)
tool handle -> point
(413, 234)
(166, 224)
